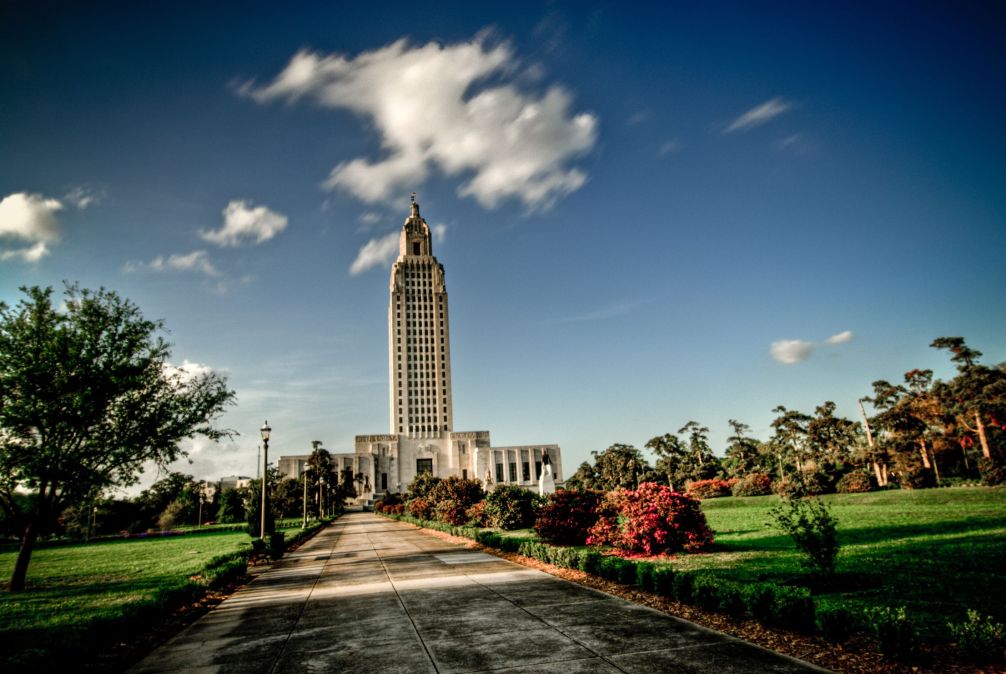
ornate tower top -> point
(415, 239)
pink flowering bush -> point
(710, 488)
(420, 508)
(651, 520)
(567, 516)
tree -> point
(671, 455)
(699, 463)
(743, 455)
(87, 397)
(789, 439)
(232, 507)
(620, 466)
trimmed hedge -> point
(787, 607)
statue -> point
(546, 483)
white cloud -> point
(790, 351)
(245, 223)
(376, 253)
(840, 338)
(439, 232)
(187, 371)
(82, 197)
(29, 254)
(197, 260)
(759, 115)
(669, 147)
(433, 107)
(29, 217)
(370, 218)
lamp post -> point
(307, 469)
(265, 430)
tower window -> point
(415, 248)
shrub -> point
(420, 508)
(510, 507)
(490, 539)
(663, 581)
(709, 488)
(567, 558)
(617, 569)
(753, 484)
(894, 631)
(379, 506)
(759, 598)
(451, 512)
(684, 584)
(705, 593)
(644, 576)
(590, 561)
(793, 608)
(567, 516)
(992, 473)
(980, 637)
(465, 493)
(651, 520)
(813, 528)
(397, 509)
(836, 624)
(422, 484)
(815, 482)
(277, 544)
(732, 600)
(856, 482)
(788, 486)
(477, 515)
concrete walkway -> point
(373, 595)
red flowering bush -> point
(477, 515)
(651, 520)
(451, 512)
(397, 509)
(465, 493)
(567, 516)
(420, 508)
(753, 484)
(710, 488)
(856, 482)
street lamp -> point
(307, 469)
(265, 430)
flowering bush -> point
(420, 508)
(465, 493)
(710, 488)
(396, 509)
(753, 484)
(651, 520)
(451, 512)
(510, 507)
(422, 484)
(856, 482)
(477, 515)
(567, 516)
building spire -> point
(415, 207)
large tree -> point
(87, 398)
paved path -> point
(373, 595)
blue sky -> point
(633, 205)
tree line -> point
(917, 433)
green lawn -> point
(935, 551)
(75, 590)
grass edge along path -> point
(120, 613)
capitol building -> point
(421, 435)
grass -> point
(936, 551)
(76, 590)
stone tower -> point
(419, 346)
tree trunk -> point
(876, 472)
(981, 436)
(925, 456)
(885, 474)
(17, 578)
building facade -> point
(421, 436)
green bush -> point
(567, 558)
(684, 584)
(490, 539)
(644, 576)
(759, 598)
(705, 594)
(980, 637)
(895, 632)
(590, 562)
(814, 530)
(510, 507)
(422, 485)
(793, 609)
(836, 624)
(277, 544)
(732, 600)
(663, 581)
(614, 568)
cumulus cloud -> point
(245, 223)
(370, 218)
(187, 371)
(439, 232)
(434, 107)
(840, 338)
(29, 217)
(790, 351)
(197, 261)
(376, 253)
(759, 115)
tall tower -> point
(419, 345)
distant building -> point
(232, 482)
